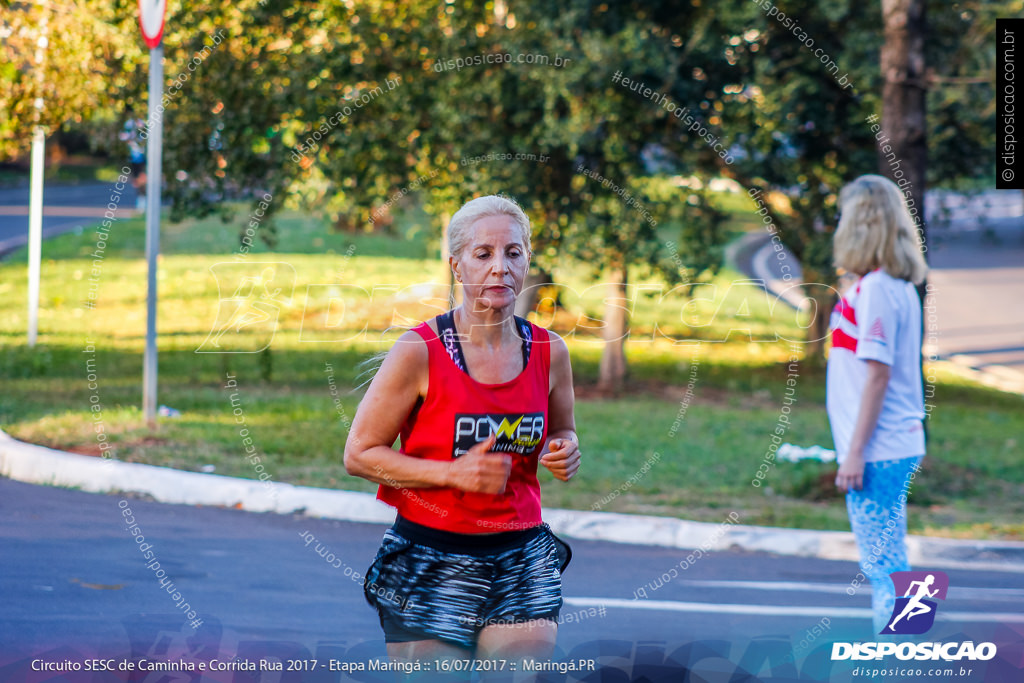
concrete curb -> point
(40, 465)
(34, 464)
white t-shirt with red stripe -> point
(879, 319)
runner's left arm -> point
(561, 453)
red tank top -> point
(459, 412)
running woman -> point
(132, 133)
(875, 397)
(479, 397)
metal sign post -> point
(35, 202)
(35, 231)
(151, 20)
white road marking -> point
(779, 610)
(954, 591)
(721, 608)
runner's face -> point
(493, 265)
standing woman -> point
(479, 397)
(875, 395)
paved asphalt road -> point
(977, 283)
(85, 194)
(74, 584)
(59, 214)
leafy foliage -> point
(347, 108)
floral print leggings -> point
(878, 518)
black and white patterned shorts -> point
(428, 584)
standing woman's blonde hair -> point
(876, 231)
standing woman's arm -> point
(851, 472)
(562, 453)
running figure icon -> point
(914, 606)
(919, 593)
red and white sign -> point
(151, 20)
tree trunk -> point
(612, 376)
(903, 111)
(903, 101)
(450, 278)
(527, 300)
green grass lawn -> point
(702, 451)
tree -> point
(85, 45)
(960, 54)
(797, 119)
(588, 197)
(804, 134)
(441, 113)
(344, 109)
(904, 93)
